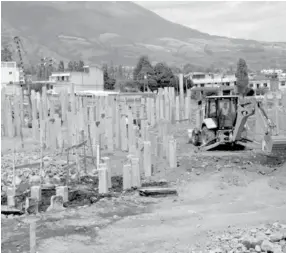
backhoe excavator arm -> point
(244, 111)
(271, 141)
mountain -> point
(100, 32)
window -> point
(10, 73)
(265, 85)
(202, 85)
(251, 85)
(282, 83)
(234, 82)
(258, 85)
(59, 78)
(63, 78)
(227, 84)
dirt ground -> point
(217, 191)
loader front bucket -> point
(273, 144)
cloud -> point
(264, 21)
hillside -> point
(121, 31)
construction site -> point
(146, 172)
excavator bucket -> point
(273, 144)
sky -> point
(264, 21)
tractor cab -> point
(221, 111)
(217, 119)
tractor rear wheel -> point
(195, 139)
(207, 135)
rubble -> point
(269, 238)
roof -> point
(259, 78)
(225, 96)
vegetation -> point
(6, 54)
(109, 82)
(242, 77)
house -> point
(201, 79)
(11, 76)
(259, 82)
(90, 79)
(10, 73)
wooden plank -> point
(155, 191)
(76, 146)
(28, 165)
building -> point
(11, 77)
(90, 79)
(271, 71)
(200, 79)
(10, 73)
(259, 82)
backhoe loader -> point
(222, 120)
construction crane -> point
(27, 83)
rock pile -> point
(266, 238)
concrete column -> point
(152, 112)
(109, 134)
(187, 108)
(172, 153)
(181, 84)
(124, 145)
(177, 117)
(157, 105)
(102, 179)
(106, 160)
(64, 192)
(36, 192)
(147, 159)
(11, 196)
(161, 99)
(127, 176)
(136, 182)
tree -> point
(80, 66)
(242, 77)
(61, 67)
(108, 82)
(70, 66)
(164, 75)
(6, 54)
(143, 68)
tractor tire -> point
(207, 135)
(195, 139)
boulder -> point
(267, 246)
(276, 237)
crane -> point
(27, 84)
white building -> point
(211, 80)
(10, 73)
(271, 71)
(91, 79)
(259, 82)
